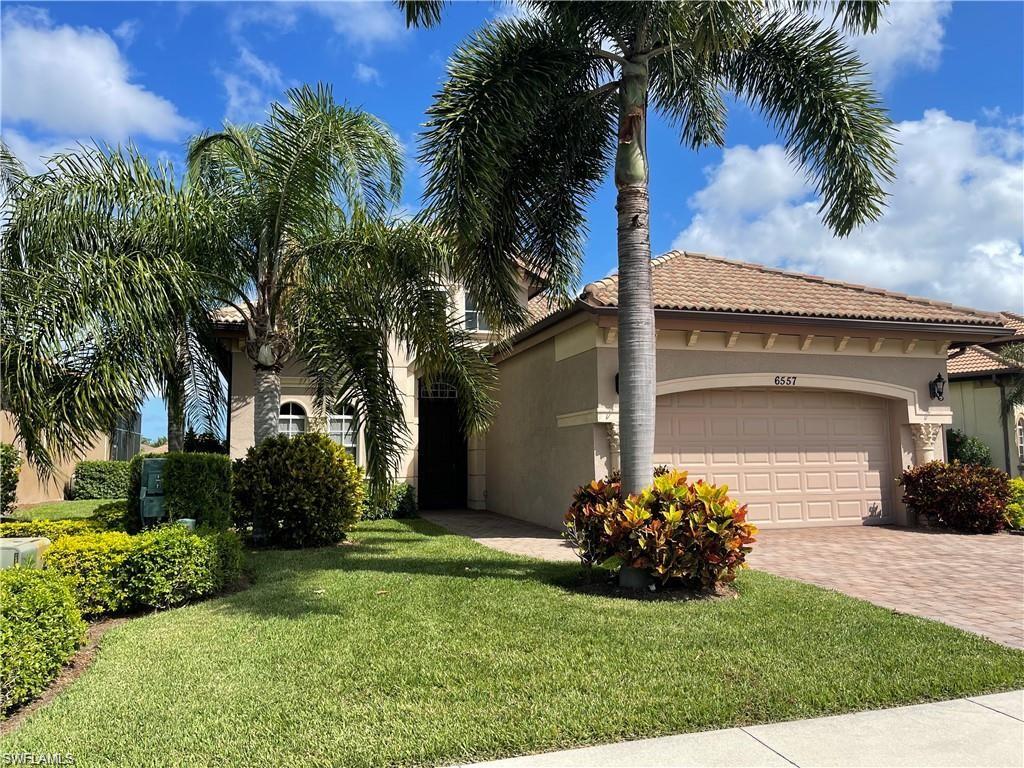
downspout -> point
(1002, 417)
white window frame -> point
(341, 428)
(1020, 439)
(475, 319)
(292, 419)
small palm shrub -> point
(303, 491)
(964, 497)
(40, 629)
(10, 468)
(684, 534)
(100, 480)
(967, 449)
(1015, 506)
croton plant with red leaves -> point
(689, 534)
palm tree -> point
(536, 111)
(95, 271)
(317, 268)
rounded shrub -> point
(40, 629)
(967, 449)
(400, 503)
(168, 566)
(965, 497)
(304, 491)
(10, 467)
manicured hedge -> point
(40, 629)
(196, 486)
(1015, 507)
(50, 529)
(114, 572)
(303, 491)
(100, 480)
(10, 466)
(400, 503)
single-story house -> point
(120, 443)
(806, 396)
(978, 384)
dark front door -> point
(442, 450)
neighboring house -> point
(806, 396)
(978, 381)
(122, 442)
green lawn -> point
(60, 510)
(418, 647)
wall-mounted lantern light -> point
(937, 387)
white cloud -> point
(32, 152)
(74, 81)
(908, 37)
(361, 23)
(952, 229)
(364, 73)
(127, 30)
(250, 87)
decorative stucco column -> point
(613, 446)
(925, 436)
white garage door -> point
(795, 457)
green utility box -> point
(152, 506)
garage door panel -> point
(793, 456)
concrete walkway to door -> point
(975, 583)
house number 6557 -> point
(785, 381)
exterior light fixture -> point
(937, 387)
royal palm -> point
(537, 111)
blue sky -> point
(952, 76)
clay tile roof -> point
(976, 360)
(226, 316)
(539, 307)
(1014, 322)
(698, 282)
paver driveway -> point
(972, 582)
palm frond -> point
(814, 90)
(422, 13)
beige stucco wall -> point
(978, 411)
(558, 397)
(532, 465)
(32, 488)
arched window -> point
(341, 428)
(1020, 439)
(293, 419)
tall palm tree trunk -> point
(175, 418)
(636, 311)
(267, 402)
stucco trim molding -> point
(600, 415)
(916, 414)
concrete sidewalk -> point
(979, 731)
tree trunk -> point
(267, 403)
(175, 419)
(636, 312)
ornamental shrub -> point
(1015, 506)
(967, 449)
(114, 572)
(100, 480)
(50, 529)
(40, 629)
(94, 565)
(399, 504)
(683, 534)
(304, 491)
(964, 497)
(204, 442)
(10, 468)
(198, 486)
(116, 516)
